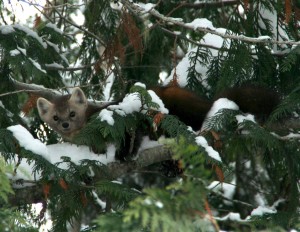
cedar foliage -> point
(261, 165)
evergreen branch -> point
(34, 194)
(138, 10)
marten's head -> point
(66, 114)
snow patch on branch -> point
(52, 153)
(201, 141)
(6, 29)
(200, 23)
(27, 141)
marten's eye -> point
(72, 114)
(55, 118)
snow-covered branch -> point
(33, 192)
(200, 25)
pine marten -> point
(68, 114)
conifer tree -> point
(134, 167)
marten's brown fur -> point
(192, 109)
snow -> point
(131, 103)
(241, 118)
(54, 27)
(140, 84)
(31, 33)
(159, 204)
(116, 5)
(231, 217)
(14, 52)
(147, 143)
(261, 210)
(226, 189)
(147, 7)
(201, 141)
(27, 141)
(222, 103)
(157, 100)
(6, 29)
(37, 65)
(54, 46)
(54, 65)
(53, 153)
(107, 115)
(182, 67)
(200, 23)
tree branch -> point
(201, 5)
(49, 94)
(138, 10)
(34, 194)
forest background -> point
(237, 174)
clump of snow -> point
(261, 210)
(78, 153)
(6, 29)
(116, 5)
(159, 204)
(54, 27)
(107, 115)
(201, 23)
(231, 217)
(241, 118)
(131, 103)
(14, 52)
(222, 103)
(31, 33)
(201, 141)
(147, 7)
(183, 66)
(37, 65)
(27, 141)
(157, 100)
(140, 84)
(54, 65)
(53, 153)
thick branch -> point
(34, 194)
(41, 91)
(33, 89)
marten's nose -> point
(65, 125)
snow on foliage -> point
(54, 152)
(31, 33)
(131, 103)
(201, 141)
(201, 23)
(6, 29)
(183, 66)
(222, 103)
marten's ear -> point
(43, 106)
(78, 97)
